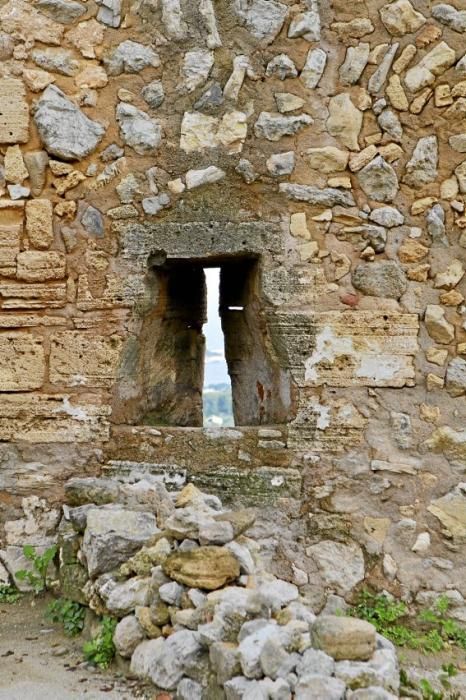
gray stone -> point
(130, 57)
(65, 131)
(435, 220)
(370, 693)
(12, 557)
(456, 377)
(275, 661)
(389, 217)
(378, 78)
(195, 69)
(317, 687)
(212, 532)
(36, 163)
(123, 598)
(344, 638)
(224, 661)
(168, 661)
(340, 565)
(56, 61)
(379, 180)
(380, 279)
(93, 222)
(355, 61)
(243, 556)
(63, 11)
(171, 593)
(315, 661)
(128, 635)
(142, 655)
(314, 67)
(451, 17)
(211, 98)
(390, 124)
(189, 690)
(250, 649)
(422, 168)
(109, 12)
(113, 536)
(276, 690)
(79, 491)
(276, 594)
(240, 688)
(246, 169)
(205, 176)
(273, 126)
(281, 67)
(153, 205)
(153, 94)
(263, 18)
(280, 164)
(137, 129)
(306, 24)
(327, 197)
(112, 152)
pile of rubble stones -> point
(199, 615)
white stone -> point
(205, 176)
(313, 68)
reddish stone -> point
(349, 299)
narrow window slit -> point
(217, 399)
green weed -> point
(70, 614)
(101, 650)
(37, 578)
(8, 594)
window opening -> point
(217, 399)
(168, 373)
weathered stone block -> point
(87, 360)
(14, 111)
(363, 348)
(22, 362)
(35, 266)
(39, 223)
(9, 246)
(19, 295)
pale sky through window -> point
(215, 368)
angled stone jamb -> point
(363, 348)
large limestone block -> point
(65, 130)
(79, 359)
(327, 159)
(40, 266)
(345, 121)
(401, 18)
(21, 295)
(39, 222)
(22, 362)
(341, 565)
(21, 18)
(206, 567)
(451, 511)
(113, 536)
(47, 419)
(14, 111)
(344, 637)
(263, 18)
(380, 279)
(436, 62)
(362, 348)
(10, 236)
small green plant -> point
(101, 650)
(69, 613)
(430, 631)
(8, 594)
(37, 578)
(425, 687)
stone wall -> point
(323, 140)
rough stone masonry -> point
(315, 151)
